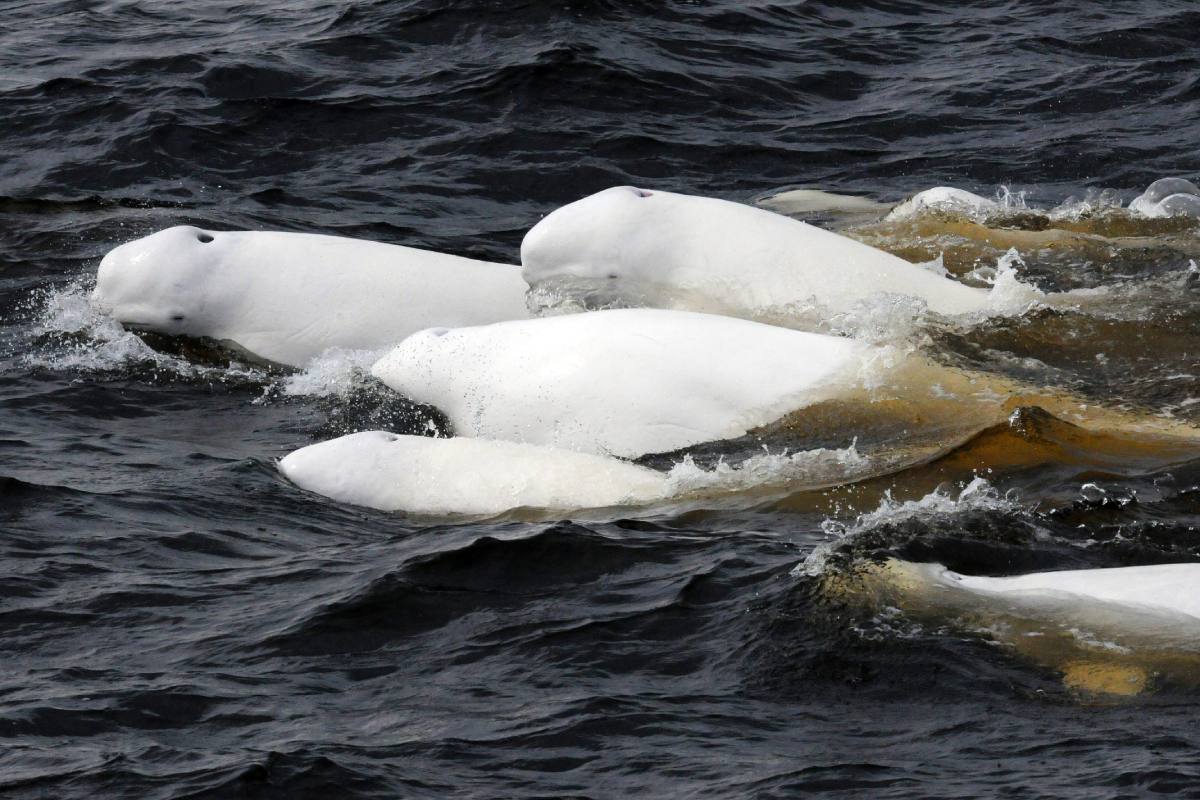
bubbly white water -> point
(334, 373)
(84, 339)
(978, 495)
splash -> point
(1094, 203)
(978, 495)
(807, 469)
(70, 333)
(337, 373)
(1010, 295)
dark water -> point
(178, 621)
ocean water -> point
(179, 621)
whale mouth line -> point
(202, 349)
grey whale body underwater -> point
(239, 557)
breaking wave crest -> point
(978, 495)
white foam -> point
(1095, 202)
(806, 469)
(978, 495)
(86, 339)
(335, 373)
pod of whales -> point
(653, 248)
(545, 408)
(623, 382)
(1165, 197)
(285, 298)
(421, 475)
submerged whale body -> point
(671, 250)
(1107, 631)
(422, 475)
(622, 382)
(288, 297)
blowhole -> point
(641, 192)
(177, 318)
(204, 238)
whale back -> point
(1171, 587)
(422, 475)
(623, 382)
(288, 297)
(668, 250)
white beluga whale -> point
(286, 298)
(798, 202)
(422, 475)
(801, 202)
(943, 198)
(1107, 630)
(622, 382)
(465, 476)
(1168, 197)
(666, 250)
(1164, 589)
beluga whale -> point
(460, 476)
(285, 298)
(1111, 630)
(620, 382)
(1168, 197)
(632, 246)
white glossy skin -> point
(288, 297)
(1168, 197)
(942, 198)
(421, 475)
(621, 382)
(677, 251)
(797, 202)
(1172, 588)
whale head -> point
(165, 283)
(1168, 197)
(617, 236)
